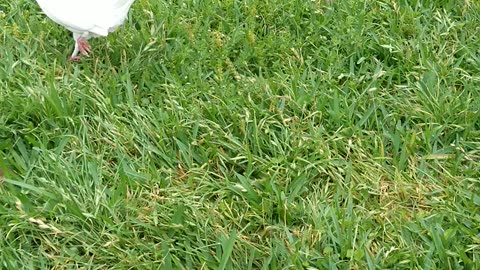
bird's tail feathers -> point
(121, 8)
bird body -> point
(86, 18)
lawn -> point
(254, 134)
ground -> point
(247, 134)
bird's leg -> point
(82, 46)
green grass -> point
(255, 134)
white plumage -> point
(86, 18)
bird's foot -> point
(83, 46)
(74, 59)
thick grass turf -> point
(255, 134)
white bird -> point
(86, 18)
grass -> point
(244, 135)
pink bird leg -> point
(82, 46)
